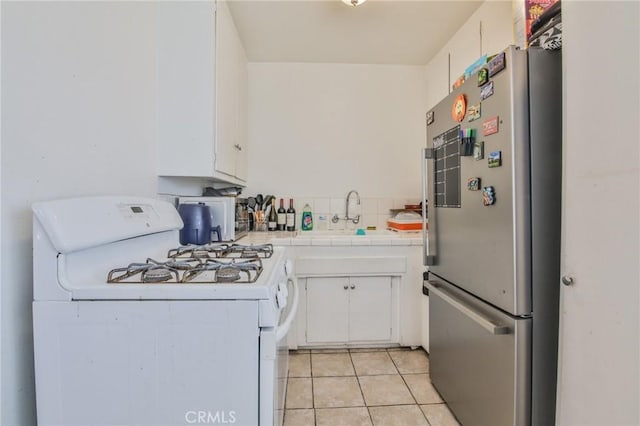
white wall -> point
(323, 129)
(78, 118)
(487, 31)
(599, 372)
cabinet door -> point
(226, 91)
(369, 308)
(327, 310)
(242, 121)
(185, 82)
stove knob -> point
(284, 289)
(281, 299)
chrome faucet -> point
(353, 219)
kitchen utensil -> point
(259, 200)
(251, 202)
(266, 204)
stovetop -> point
(205, 264)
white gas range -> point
(131, 329)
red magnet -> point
(490, 126)
(459, 108)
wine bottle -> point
(282, 216)
(273, 217)
(291, 216)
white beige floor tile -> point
(411, 361)
(330, 392)
(439, 415)
(385, 390)
(372, 363)
(303, 417)
(299, 365)
(299, 393)
(422, 389)
(329, 365)
(356, 416)
(398, 415)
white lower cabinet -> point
(348, 309)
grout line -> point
(409, 388)
(313, 396)
(364, 401)
(393, 405)
(394, 363)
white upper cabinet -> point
(202, 92)
(231, 97)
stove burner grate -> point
(264, 251)
(207, 251)
(227, 274)
(189, 270)
(225, 270)
(150, 272)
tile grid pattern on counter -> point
(376, 387)
(301, 238)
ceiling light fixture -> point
(353, 2)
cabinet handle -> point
(238, 147)
(353, 286)
(346, 287)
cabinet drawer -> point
(310, 266)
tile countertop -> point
(337, 238)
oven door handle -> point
(283, 329)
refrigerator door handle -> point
(428, 259)
(472, 314)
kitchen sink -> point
(346, 233)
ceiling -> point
(376, 32)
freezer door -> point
(484, 249)
(479, 358)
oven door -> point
(274, 358)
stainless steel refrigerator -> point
(492, 178)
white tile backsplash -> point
(338, 205)
(369, 206)
(322, 205)
(382, 221)
(373, 211)
(384, 205)
(320, 222)
(338, 226)
(299, 204)
(398, 203)
(369, 220)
